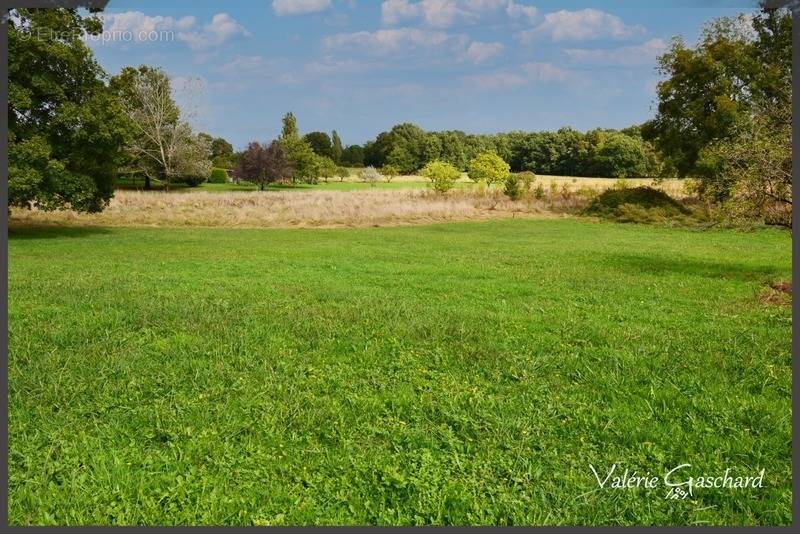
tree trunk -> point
(147, 186)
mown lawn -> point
(457, 373)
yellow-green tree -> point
(488, 167)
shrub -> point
(370, 175)
(342, 173)
(637, 204)
(512, 189)
(192, 181)
(218, 176)
(488, 167)
(326, 168)
(442, 175)
(390, 171)
(526, 178)
(539, 191)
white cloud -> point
(581, 25)
(135, 26)
(224, 26)
(546, 72)
(414, 42)
(139, 25)
(478, 52)
(628, 56)
(445, 13)
(520, 11)
(299, 7)
(388, 41)
(396, 11)
(221, 28)
(524, 74)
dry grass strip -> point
(313, 209)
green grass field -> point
(458, 373)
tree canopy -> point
(67, 134)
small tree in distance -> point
(488, 167)
(512, 189)
(442, 175)
(263, 165)
(326, 168)
(390, 172)
(370, 175)
(342, 173)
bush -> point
(218, 176)
(191, 181)
(488, 167)
(526, 178)
(370, 175)
(342, 173)
(636, 204)
(442, 175)
(390, 171)
(326, 168)
(512, 189)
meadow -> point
(460, 373)
(351, 203)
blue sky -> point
(361, 66)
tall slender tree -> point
(337, 148)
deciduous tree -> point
(67, 133)
(488, 167)
(442, 175)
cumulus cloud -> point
(524, 74)
(628, 56)
(405, 42)
(135, 26)
(139, 25)
(521, 11)
(478, 52)
(581, 25)
(299, 7)
(446, 13)
(388, 41)
(221, 28)
(546, 72)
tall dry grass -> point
(320, 209)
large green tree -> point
(320, 143)
(711, 89)
(66, 130)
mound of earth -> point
(636, 204)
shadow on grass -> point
(55, 232)
(691, 267)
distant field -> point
(353, 183)
(463, 373)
